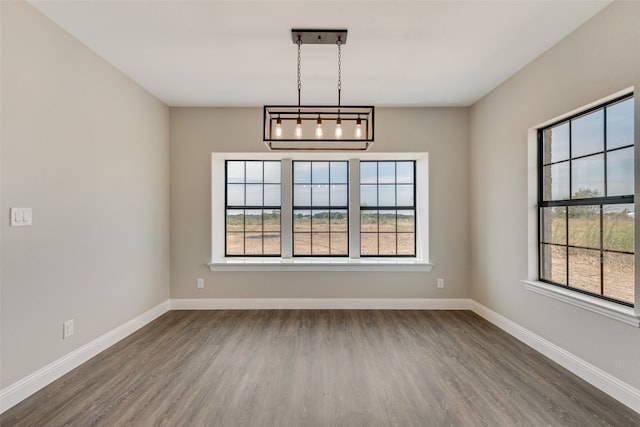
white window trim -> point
(612, 310)
(286, 262)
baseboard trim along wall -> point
(18, 391)
(619, 390)
(595, 376)
(321, 304)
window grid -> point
(580, 205)
(330, 212)
(262, 211)
(391, 210)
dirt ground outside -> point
(322, 234)
(584, 272)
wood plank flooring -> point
(320, 368)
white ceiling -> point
(398, 53)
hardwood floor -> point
(320, 368)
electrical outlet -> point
(200, 283)
(67, 329)
(440, 283)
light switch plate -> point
(21, 217)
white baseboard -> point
(24, 388)
(595, 376)
(321, 303)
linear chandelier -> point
(318, 127)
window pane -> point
(272, 172)
(618, 275)
(253, 220)
(369, 221)
(620, 172)
(253, 171)
(386, 172)
(301, 220)
(554, 263)
(369, 244)
(338, 195)
(404, 171)
(387, 244)
(320, 195)
(302, 195)
(271, 220)
(339, 244)
(254, 195)
(406, 244)
(584, 269)
(406, 221)
(339, 173)
(587, 134)
(302, 243)
(235, 194)
(235, 172)
(339, 220)
(368, 172)
(387, 221)
(620, 124)
(271, 243)
(235, 243)
(556, 143)
(618, 227)
(320, 221)
(584, 226)
(302, 172)
(556, 181)
(386, 195)
(272, 195)
(235, 220)
(588, 177)
(320, 243)
(253, 244)
(405, 195)
(368, 195)
(554, 225)
(320, 172)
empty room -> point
(319, 213)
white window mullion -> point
(286, 214)
(354, 208)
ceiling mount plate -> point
(315, 36)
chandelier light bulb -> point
(358, 128)
(338, 129)
(319, 131)
(299, 128)
(279, 128)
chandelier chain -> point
(299, 43)
(339, 43)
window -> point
(303, 211)
(252, 208)
(320, 208)
(586, 202)
(387, 208)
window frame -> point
(329, 207)
(600, 201)
(395, 207)
(245, 207)
(286, 262)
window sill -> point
(319, 264)
(605, 308)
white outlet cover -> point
(21, 217)
(67, 329)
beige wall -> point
(599, 59)
(87, 149)
(197, 132)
